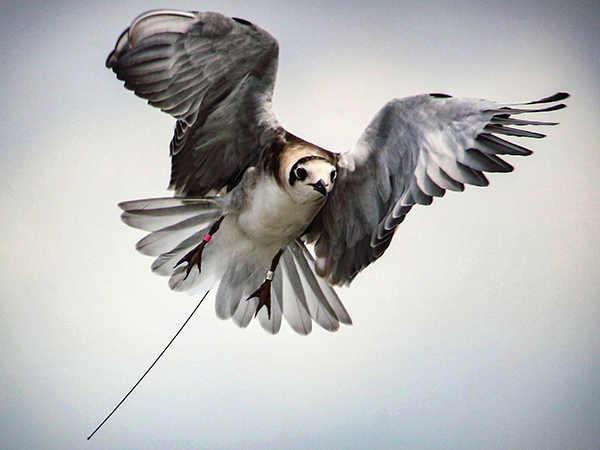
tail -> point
(298, 294)
(177, 225)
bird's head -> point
(311, 178)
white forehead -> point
(317, 169)
(317, 165)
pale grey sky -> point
(479, 328)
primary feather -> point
(413, 150)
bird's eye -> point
(300, 173)
(333, 175)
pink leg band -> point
(207, 237)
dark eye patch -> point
(297, 174)
(300, 173)
(333, 175)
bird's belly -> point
(274, 218)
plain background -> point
(478, 329)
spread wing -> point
(414, 149)
(216, 76)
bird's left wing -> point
(215, 75)
(414, 149)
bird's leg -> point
(263, 293)
(194, 257)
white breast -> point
(273, 217)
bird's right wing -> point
(216, 76)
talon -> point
(194, 257)
(263, 293)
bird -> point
(272, 220)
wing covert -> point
(413, 150)
(216, 76)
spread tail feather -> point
(177, 225)
(297, 293)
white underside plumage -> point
(238, 257)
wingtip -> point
(559, 96)
(110, 60)
(346, 320)
(148, 23)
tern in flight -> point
(249, 195)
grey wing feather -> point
(413, 150)
(216, 76)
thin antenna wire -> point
(149, 368)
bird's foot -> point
(263, 294)
(194, 257)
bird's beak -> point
(320, 187)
